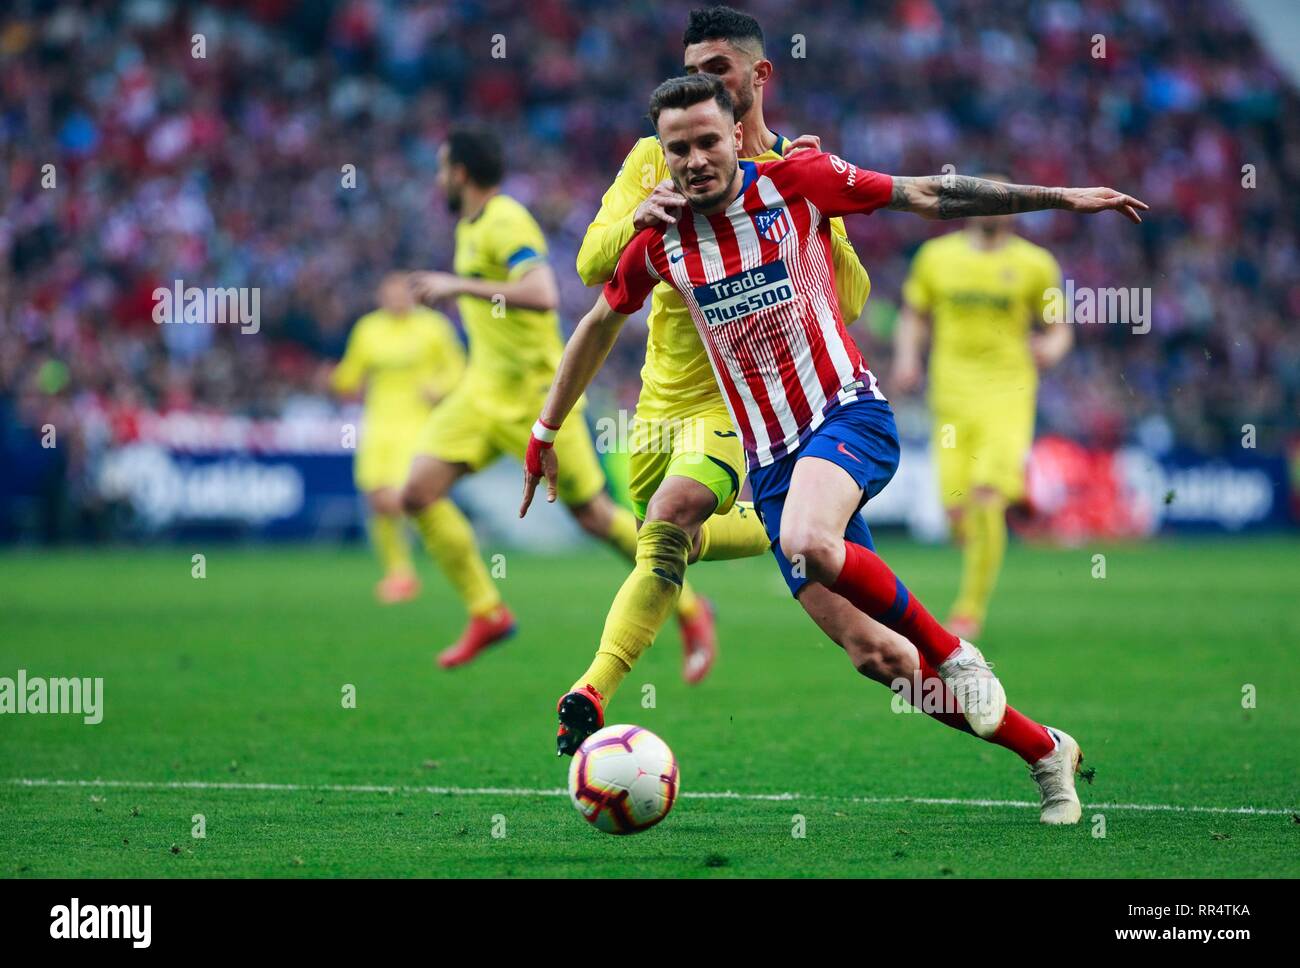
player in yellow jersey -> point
(981, 290)
(406, 358)
(687, 463)
(507, 296)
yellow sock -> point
(390, 544)
(605, 673)
(641, 606)
(736, 534)
(623, 536)
(985, 531)
(450, 542)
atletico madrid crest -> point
(773, 224)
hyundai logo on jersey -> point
(746, 292)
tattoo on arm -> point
(964, 196)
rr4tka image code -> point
(511, 441)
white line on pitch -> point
(559, 792)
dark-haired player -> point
(500, 259)
(751, 257)
(687, 464)
(691, 484)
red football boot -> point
(699, 642)
(581, 713)
(482, 631)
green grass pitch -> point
(223, 697)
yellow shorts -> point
(466, 429)
(705, 448)
(384, 457)
(983, 445)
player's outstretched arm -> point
(583, 356)
(961, 196)
(536, 289)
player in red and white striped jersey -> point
(758, 281)
(751, 259)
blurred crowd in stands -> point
(231, 169)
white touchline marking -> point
(560, 792)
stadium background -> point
(227, 170)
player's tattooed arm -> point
(961, 196)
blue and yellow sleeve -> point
(518, 244)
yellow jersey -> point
(982, 304)
(400, 360)
(513, 352)
(677, 380)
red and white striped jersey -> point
(758, 281)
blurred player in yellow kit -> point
(406, 358)
(507, 297)
(684, 481)
(982, 289)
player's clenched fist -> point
(540, 462)
(660, 208)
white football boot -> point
(1054, 774)
(980, 695)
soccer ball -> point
(623, 779)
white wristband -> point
(544, 433)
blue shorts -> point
(861, 438)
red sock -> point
(934, 690)
(1027, 739)
(867, 582)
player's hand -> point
(1089, 201)
(906, 375)
(432, 287)
(661, 208)
(540, 462)
(810, 141)
(1046, 352)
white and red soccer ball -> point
(623, 779)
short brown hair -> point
(682, 92)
